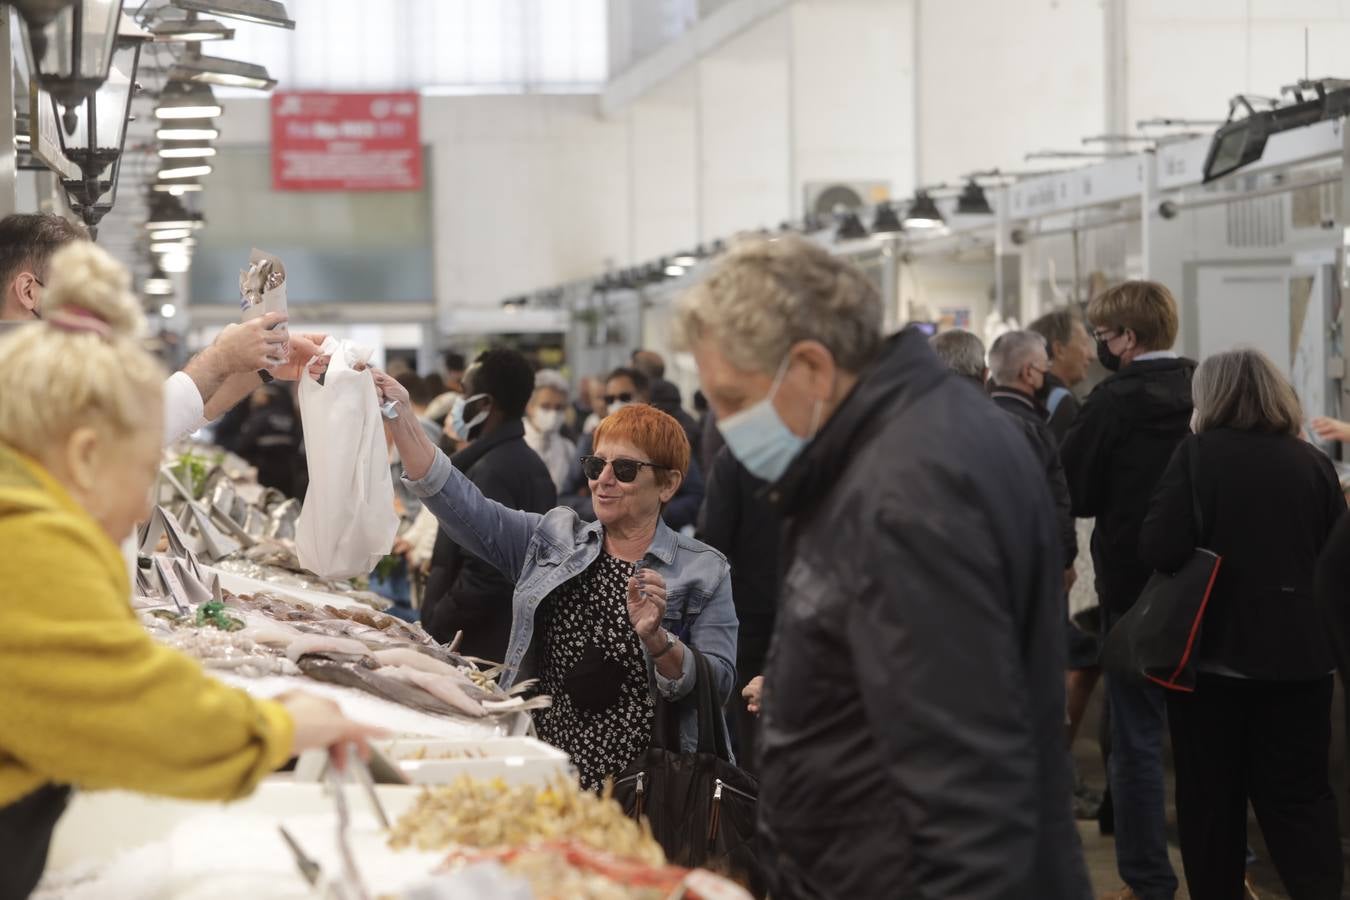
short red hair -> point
(655, 433)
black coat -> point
(666, 397)
(1332, 590)
(1268, 503)
(1114, 455)
(1065, 413)
(913, 729)
(463, 591)
(1031, 418)
(738, 519)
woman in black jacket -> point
(1257, 726)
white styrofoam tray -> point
(515, 760)
(112, 845)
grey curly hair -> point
(766, 295)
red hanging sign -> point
(346, 142)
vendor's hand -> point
(401, 547)
(320, 725)
(304, 348)
(646, 602)
(1331, 429)
(388, 389)
(249, 346)
(754, 694)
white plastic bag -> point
(348, 521)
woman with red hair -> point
(605, 613)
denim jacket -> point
(541, 552)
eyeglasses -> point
(626, 470)
(1105, 335)
(625, 397)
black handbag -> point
(1159, 636)
(700, 807)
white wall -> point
(527, 191)
(743, 132)
(1188, 59)
(998, 80)
(663, 136)
(852, 93)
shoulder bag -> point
(1158, 638)
(700, 806)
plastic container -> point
(515, 760)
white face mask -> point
(547, 420)
(618, 405)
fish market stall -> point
(474, 838)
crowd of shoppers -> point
(876, 570)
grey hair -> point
(960, 351)
(1010, 353)
(551, 378)
(766, 295)
(1242, 389)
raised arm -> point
(487, 529)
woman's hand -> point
(646, 602)
(389, 389)
(1331, 429)
(320, 724)
(754, 694)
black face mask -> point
(1108, 359)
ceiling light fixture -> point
(187, 100)
(190, 29)
(176, 188)
(157, 284)
(263, 12)
(187, 150)
(168, 311)
(850, 228)
(224, 72)
(973, 201)
(170, 234)
(674, 271)
(923, 212)
(887, 221)
(183, 172)
(1241, 142)
(189, 130)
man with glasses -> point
(1113, 455)
(626, 387)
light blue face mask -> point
(759, 439)
(457, 423)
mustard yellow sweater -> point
(86, 696)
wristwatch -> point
(670, 642)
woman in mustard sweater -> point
(87, 699)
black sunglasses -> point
(624, 469)
(625, 397)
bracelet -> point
(670, 644)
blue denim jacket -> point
(540, 553)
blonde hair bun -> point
(84, 275)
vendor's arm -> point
(88, 698)
(487, 529)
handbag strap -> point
(712, 726)
(1196, 510)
